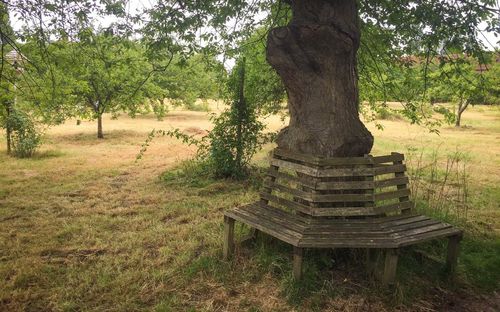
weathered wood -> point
(428, 236)
(335, 205)
(388, 158)
(268, 190)
(343, 211)
(294, 166)
(386, 169)
(393, 207)
(453, 252)
(345, 185)
(269, 226)
(392, 195)
(401, 186)
(391, 182)
(291, 178)
(228, 249)
(298, 254)
(390, 266)
(285, 202)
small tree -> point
(100, 73)
(458, 81)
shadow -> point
(90, 138)
(47, 154)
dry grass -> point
(84, 227)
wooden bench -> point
(360, 202)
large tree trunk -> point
(315, 55)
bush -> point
(25, 138)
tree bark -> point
(315, 56)
(8, 129)
(100, 134)
(461, 108)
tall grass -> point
(440, 182)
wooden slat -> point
(289, 177)
(391, 182)
(338, 198)
(278, 214)
(281, 213)
(324, 173)
(343, 212)
(400, 229)
(393, 207)
(285, 189)
(405, 220)
(319, 161)
(345, 185)
(285, 202)
(385, 169)
(265, 226)
(293, 166)
(428, 236)
(388, 158)
(314, 242)
(267, 214)
(345, 172)
(392, 194)
(402, 186)
(419, 230)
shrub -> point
(25, 138)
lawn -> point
(84, 227)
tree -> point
(459, 82)
(315, 53)
(100, 73)
(7, 75)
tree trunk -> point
(315, 55)
(240, 107)
(100, 135)
(8, 129)
(461, 108)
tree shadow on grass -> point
(90, 138)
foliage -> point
(492, 82)
(263, 86)
(185, 81)
(100, 73)
(25, 137)
(236, 136)
(459, 82)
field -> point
(84, 227)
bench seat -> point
(383, 232)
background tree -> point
(7, 74)
(100, 73)
(459, 82)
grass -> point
(83, 227)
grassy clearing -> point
(84, 227)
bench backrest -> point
(337, 187)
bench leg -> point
(453, 251)
(390, 267)
(228, 237)
(297, 262)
